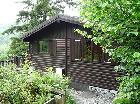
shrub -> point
(29, 86)
(129, 90)
(70, 99)
(115, 25)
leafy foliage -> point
(17, 47)
(70, 99)
(3, 52)
(129, 90)
(116, 26)
(34, 13)
(4, 45)
(28, 86)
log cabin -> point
(55, 43)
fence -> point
(17, 60)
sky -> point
(8, 14)
(9, 9)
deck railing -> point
(17, 60)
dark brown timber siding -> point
(96, 74)
(43, 60)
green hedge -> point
(29, 86)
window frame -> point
(40, 51)
(51, 47)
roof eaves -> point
(40, 26)
(64, 18)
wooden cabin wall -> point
(97, 74)
(43, 60)
(56, 32)
(33, 47)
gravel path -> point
(96, 96)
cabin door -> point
(76, 54)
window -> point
(77, 50)
(92, 52)
(87, 50)
(48, 46)
(43, 46)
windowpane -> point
(92, 52)
(43, 46)
(87, 50)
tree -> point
(37, 12)
(34, 13)
(17, 47)
(116, 26)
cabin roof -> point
(65, 18)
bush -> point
(115, 25)
(29, 86)
(70, 99)
(129, 90)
